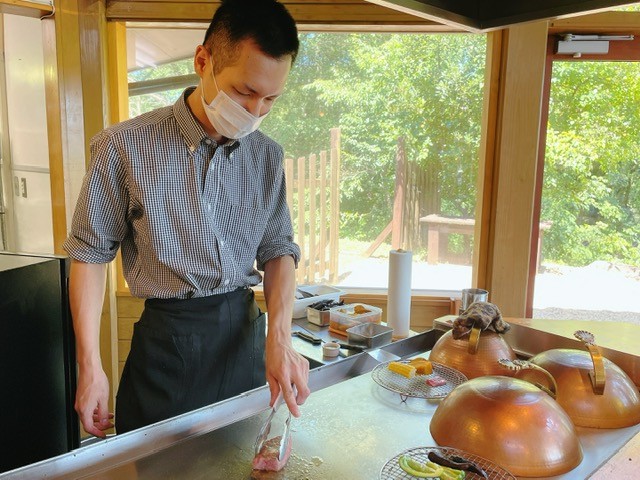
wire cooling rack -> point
(418, 386)
(392, 471)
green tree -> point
(592, 167)
(377, 88)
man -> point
(194, 195)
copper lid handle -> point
(474, 338)
(597, 375)
(524, 365)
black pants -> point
(186, 354)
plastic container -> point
(347, 316)
(318, 292)
(370, 335)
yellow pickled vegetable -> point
(404, 369)
(423, 366)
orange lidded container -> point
(346, 316)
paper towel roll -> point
(399, 292)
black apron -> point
(186, 354)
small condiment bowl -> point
(330, 349)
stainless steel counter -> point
(350, 426)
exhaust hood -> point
(484, 15)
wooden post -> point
(302, 267)
(335, 204)
(322, 257)
(399, 196)
(514, 163)
(411, 211)
(290, 180)
(313, 254)
(433, 244)
(54, 97)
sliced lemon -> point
(417, 469)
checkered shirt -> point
(193, 218)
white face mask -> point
(227, 116)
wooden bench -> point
(439, 228)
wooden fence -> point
(313, 195)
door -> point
(589, 192)
(5, 187)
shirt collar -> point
(191, 130)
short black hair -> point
(267, 22)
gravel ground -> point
(576, 314)
(600, 291)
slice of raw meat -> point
(267, 458)
(436, 381)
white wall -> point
(27, 128)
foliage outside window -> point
(592, 167)
(378, 90)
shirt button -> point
(222, 243)
(207, 141)
(226, 282)
(231, 156)
(209, 206)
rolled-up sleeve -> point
(278, 236)
(100, 218)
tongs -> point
(311, 338)
(266, 428)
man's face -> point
(255, 80)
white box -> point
(319, 292)
(588, 47)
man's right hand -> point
(92, 399)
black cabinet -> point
(37, 361)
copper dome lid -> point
(510, 422)
(475, 355)
(594, 391)
(475, 345)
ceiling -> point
(148, 47)
(484, 15)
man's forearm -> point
(279, 287)
(87, 283)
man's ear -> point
(201, 59)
